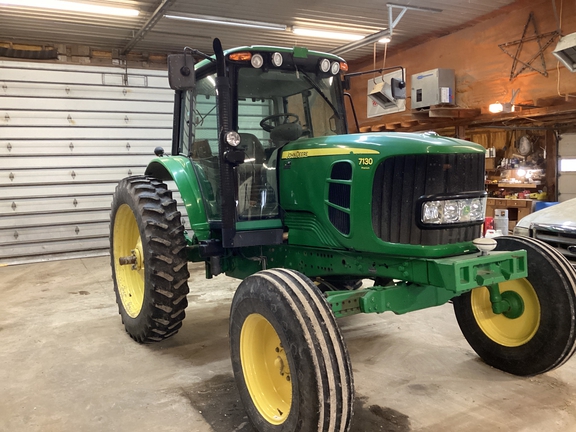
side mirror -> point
(181, 71)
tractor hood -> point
(335, 188)
(389, 143)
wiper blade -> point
(321, 93)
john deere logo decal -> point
(294, 154)
(297, 154)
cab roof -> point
(296, 51)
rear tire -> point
(145, 227)
(289, 359)
(544, 336)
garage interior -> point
(84, 100)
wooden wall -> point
(482, 69)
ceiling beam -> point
(392, 23)
(373, 38)
(154, 18)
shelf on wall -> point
(519, 185)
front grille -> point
(400, 180)
(558, 237)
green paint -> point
(407, 296)
(508, 303)
(456, 274)
(304, 168)
(515, 304)
(400, 299)
(300, 52)
(259, 224)
(179, 169)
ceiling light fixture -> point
(226, 21)
(506, 107)
(498, 107)
(72, 6)
(323, 34)
(326, 34)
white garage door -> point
(567, 167)
(67, 135)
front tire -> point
(147, 235)
(543, 337)
(289, 359)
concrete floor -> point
(66, 364)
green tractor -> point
(279, 195)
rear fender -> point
(179, 169)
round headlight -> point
(257, 61)
(325, 65)
(233, 137)
(277, 59)
(335, 68)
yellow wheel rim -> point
(130, 277)
(502, 330)
(265, 367)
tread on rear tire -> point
(145, 223)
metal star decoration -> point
(539, 38)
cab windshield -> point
(311, 100)
(273, 107)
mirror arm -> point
(197, 53)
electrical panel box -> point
(433, 87)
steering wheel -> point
(270, 122)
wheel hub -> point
(515, 304)
(281, 363)
(139, 255)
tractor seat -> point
(201, 149)
(252, 148)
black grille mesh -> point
(340, 220)
(339, 194)
(400, 180)
(341, 171)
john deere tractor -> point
(279, 195)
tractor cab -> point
(273, 96)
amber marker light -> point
(240, 56)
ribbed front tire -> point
(543, 336)
(290, 362)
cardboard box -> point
(490, 163)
